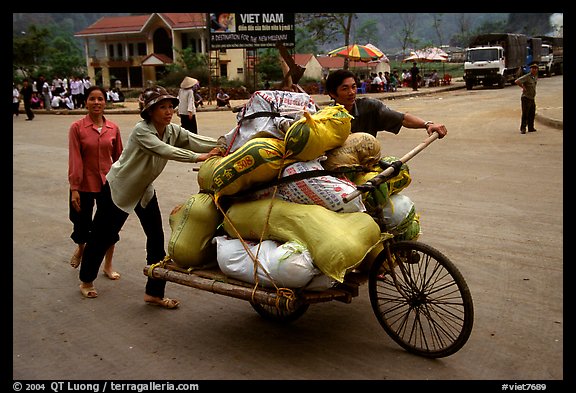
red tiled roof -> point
(161, 57)
(135, 23)
(184, 20)
(115, 24)
(302, 58)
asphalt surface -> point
(490, 198)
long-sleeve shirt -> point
(91, 153)
(186, 105)
(144, 158)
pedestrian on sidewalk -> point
(527, 83)
(415, 75)
(26, 93)
(187, 105)
(15, 100)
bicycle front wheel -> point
(421, 299)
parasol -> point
(381, 59)
(357, 52)
(427, 55)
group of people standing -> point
(60, 94)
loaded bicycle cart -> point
(308, 213)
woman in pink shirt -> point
(94, 143)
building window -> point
(131, 50)
(224, 70)
(120, 51)
(111, 50)
(141, 49)
(239, 70)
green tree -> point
(64, 58)
(28, 50)
(39, 51)
(367, 33)
(328, 28)
(269, 67)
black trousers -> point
(528, 113)
(82, 220)
(106, 226)
(189, 124)
(28, 109)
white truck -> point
(551, 59)
(494, 58)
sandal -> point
(166, 302)
(89, 292)
(113, 275)
(75, 261)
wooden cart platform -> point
(213, 280)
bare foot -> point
(111, 274)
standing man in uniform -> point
(528, 84)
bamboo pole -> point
(388, 171)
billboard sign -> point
(239, 30)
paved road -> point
(489, 198)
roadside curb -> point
(549, 121)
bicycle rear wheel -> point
(424, 303)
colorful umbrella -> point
(357, 52)
(381, 59)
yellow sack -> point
(193, 226)
(337, 242)
(259, 160)
(313, 135)
(206, 173)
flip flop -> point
(113, 275)
(75, 261)
(166, 302)
(89, 293)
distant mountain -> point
(71, 22)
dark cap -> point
(534, 64)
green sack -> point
(193, 226)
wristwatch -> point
(426, 124)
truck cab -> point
(494, 59)
(484, 65)
(546, 60)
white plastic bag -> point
(265, 113)
(289, 265)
